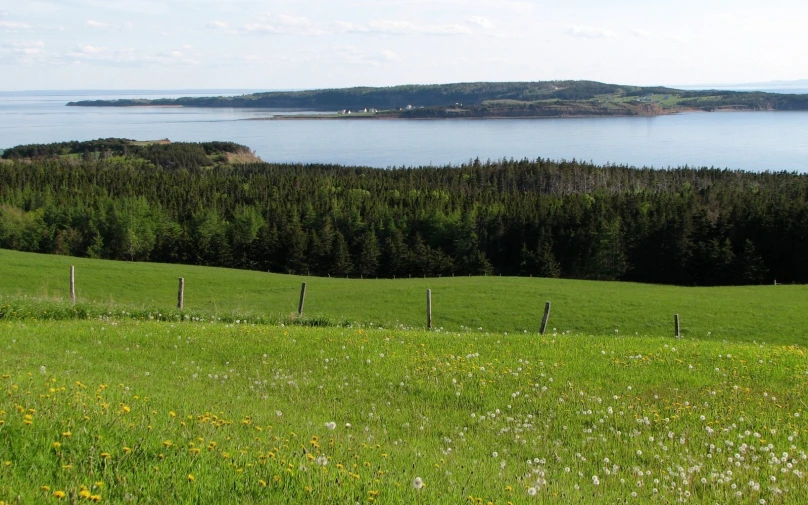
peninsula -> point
(484, 100)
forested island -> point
(216, 204)
(485, 100)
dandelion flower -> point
(532, 491)
(331, 425)
(59, 494)
(191, 477)
(417, 483)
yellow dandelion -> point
(191, 477)
(56, 445)
(95, 497)
(262, 483)
(127, 450)
(84, 494)
(67, 434)
(59, 494)
(105, 455)
(167, 443)
(45, 488)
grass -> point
(155, 412)
(775, 314)
(124, 399)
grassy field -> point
(774, 314)
(154, 412)
(202, 406)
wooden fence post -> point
(72, 285)
(181, 294)
(545, 318)
(302, 300)
(428, 309)
(676, 326)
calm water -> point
(739, 140)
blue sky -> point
(284, 44)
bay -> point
(754, 141)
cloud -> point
(104, 56)
(390, 27)
(480, 21)
(96, 24)
(645, 34)
(352, 55)
(23, 52)
(283, 24)
(13, 26)
(86, 50)
(217, 25)
(591, 32)
(27, 48)
(100, 25)
(637, 32)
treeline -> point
(468, 94)
(120, 147)
(393, 97)
(513, 217)
(555, 108)
(756, 100)
(177, 156)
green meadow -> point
(125, 399)
(775, 314)
(156, 412)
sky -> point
(285, 44)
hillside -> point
(489, 99)
(176, 203)
(33, 283)
(163, 153)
